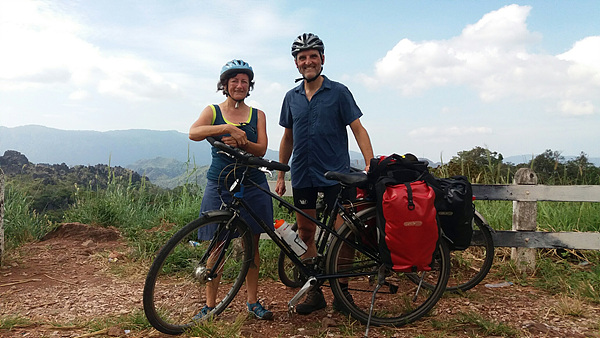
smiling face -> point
(238, 86)
(309, 63)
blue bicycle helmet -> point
(235, 67)
(307, 41)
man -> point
(315, 115)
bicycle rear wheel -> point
(470, 266)
(400, 300)
(174, 291)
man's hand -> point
(280, 186)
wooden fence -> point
(524, 237)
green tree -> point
(480, 165)
(548, 166)
(581, 171)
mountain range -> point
(166, 156)
(117, 148)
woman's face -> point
(238, 86)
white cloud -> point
(493, 57)
(79, 94)
(44, 47)
(572, 108)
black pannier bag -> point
(455, 210)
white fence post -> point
(524, 219)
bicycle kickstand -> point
(296, 299)
(381, 282)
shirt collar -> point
(326, 85)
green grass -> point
(551, 216)
(476, 325)
(216, 328)
(10, 322)
(21, 224)
(133, 321)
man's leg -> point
(306, 200)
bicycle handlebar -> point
(246, 157)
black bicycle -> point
(174, 288)
(468, 267)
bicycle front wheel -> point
(288, 273)
(399, 301)
(182, 272)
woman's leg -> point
(212, 287)
(252, 276)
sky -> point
(432, 78)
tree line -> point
(484, 166)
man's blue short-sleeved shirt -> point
(319, 130)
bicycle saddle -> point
(353, 179)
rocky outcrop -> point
(14, 163)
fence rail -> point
(556, 193)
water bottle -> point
(284, 230)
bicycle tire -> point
(470, 266)
(174, 290)
(399, 301)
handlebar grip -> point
(246, 157)
(269, 164)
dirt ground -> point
(68, 279)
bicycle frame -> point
(329, 228)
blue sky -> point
(431, 77)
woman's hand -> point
(237, 139)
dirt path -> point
(72, 277)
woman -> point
(243, 127)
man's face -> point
(309, 63)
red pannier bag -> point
(410, 226)
(407, 223)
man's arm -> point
(364, 141)
(285, 152)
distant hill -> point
(170, 173)
(120, 147)
(167, 158)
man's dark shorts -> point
(306, 198)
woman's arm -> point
(203, 128)
(260, 147)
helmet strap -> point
(315, 77)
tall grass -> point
(551, 216)
(145, 217)
(21, 223)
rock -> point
(328, 322)
(115, 331)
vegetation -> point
(147, 215)
(483, 166)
